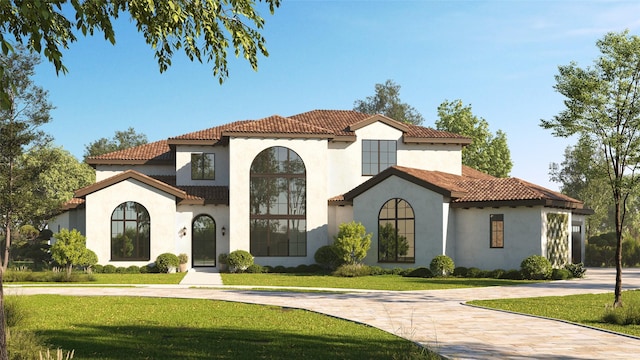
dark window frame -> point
(276, 222)
(199, 168)
(376, 160)
(394, 220)
(142, 240)
(496, 231)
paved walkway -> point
(437, 318)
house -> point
(279, 187)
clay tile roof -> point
(443, 180)
(338, 121)
(425, 132)
(471, 173)
(206, 195)
(158, 151)
(72, 204)
(211, 134)
(278, 125)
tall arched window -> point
(278, 198)
(130, 232)
(396, 232)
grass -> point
(583, 309)
(378, 282)
(153, 328)
(41, 277)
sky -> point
(499, 57)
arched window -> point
(278, 198)
(396, 232)
(203, 241)
(130, 232)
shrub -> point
(496, 274)
(23, 344)
(326, 257)
(239, 260)
(166, 261)
(421, 272)
(628, 315)
(70, 249)
(316, 269)
(512, 275)
(560, 274)
(183, 258)
(576, 270)
(15, 314)
(256, 269)
(377, 270)
(536, 267)
(109, 269)
(352, 270)
(133, 269)
(352, 243)
(121, 270)
(460, 271)
(441, 265)
(280, 269)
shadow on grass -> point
(155, 342)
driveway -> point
(437, 319)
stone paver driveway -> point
(437, 319)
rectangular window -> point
(377, 155)
(202, 166)
(497, 230)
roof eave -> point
(94, 162)
(243, 134)
(205, 142)
(426, 140)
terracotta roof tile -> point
(471, 173)
(279, 125)
(155, 151)
(213, 134)
(207, 194)
(337, 121)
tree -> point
(26, 109)
(203, 29)
(582, 175)
(386, 101)
(121, 140)
(487, 152)
(70, 248)
(352, 243)
(54, 185)
(603, 103)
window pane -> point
(208, 167)
(396, 238)
(196, 160)
(130, 232)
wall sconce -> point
(183, 231)
(223, 230)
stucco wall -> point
(183, 165)
(428, 211)
(161, 207)
(313, 153)
(107, 171)
(438, 157)
(337, 216)
(522, 237)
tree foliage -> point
(386, 101)
(70, 248)
(352, 243)
(487, 152)
(121, 140)
(603, 103)
(204, 30)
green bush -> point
(536, 267)
(377, 270)
(441, 265)
(560, 274)
(133, 269)
(256, 269)
(97, 268)
(109, 269)
(496, 274)
(460, 271)
(628, 315)
(352, 270)
(279, 269)
(576, 270)
(421, 272)
(166, 261)
(352, 243)
(24, 344)
(239, 260)
(512, 274)
(326, 257)
(121, 270)
(15, 314)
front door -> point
(203, 242)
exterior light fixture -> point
(223, 230)
(183, 231)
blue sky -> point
(498, 56)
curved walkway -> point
(436, 318)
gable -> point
(126, 175)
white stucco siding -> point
(313, 153)
(522, 237)
(107, 171)
(183, 165)
(338, 215)
(162, 213)
(437, 157)
(184, 218)
(429, 219)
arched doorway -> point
(203, 241)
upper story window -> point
(377, 155)
(497, 230)
(202, 166)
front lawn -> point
(378, 282)
(584, 309)
(156, 328)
